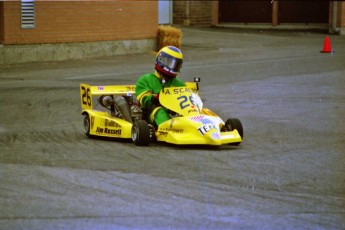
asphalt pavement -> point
(287, 174)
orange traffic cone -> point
(327, 46)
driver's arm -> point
(144, 93)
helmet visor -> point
(173, 64)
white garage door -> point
(164, 12)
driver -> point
(167, 65)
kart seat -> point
(123, 107)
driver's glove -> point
(155, 99)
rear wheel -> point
(86, 124)
(141, 133)
(234, 123)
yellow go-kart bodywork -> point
(190, 123)
(99, 121)
(194, 125)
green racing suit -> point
(146, 87)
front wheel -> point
(141, 133)
(234, 123)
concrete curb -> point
(11, 54)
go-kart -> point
(116, 113)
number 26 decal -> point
(184, 101)
(86, 96)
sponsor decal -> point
(180, 131)
(162, 133)
(176, 91)
(99, 130)
(100, 87)
(130, 88)
(116, 132)
(177, 131)
(204, 129)
(204, 120)
(109, 123)
(208, 124)
(215, 136)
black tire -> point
(234, 123)
(87, 124)
(141, 133)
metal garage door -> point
(245, 11)
(303, 11)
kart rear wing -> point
(112, 89)
(88, 91)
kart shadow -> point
(196, 147)
(170, 145)
(111, 139)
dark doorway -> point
(245, 11)
(303, 12)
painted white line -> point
(203, 66)
(259, 61)
(105, 74)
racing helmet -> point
(169, 61)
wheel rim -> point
(134, 133)
(86, 125)
(152, 133)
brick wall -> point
(1, 22)
(197, 13)
(82, 21)
(179, 12)
(201, 13)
